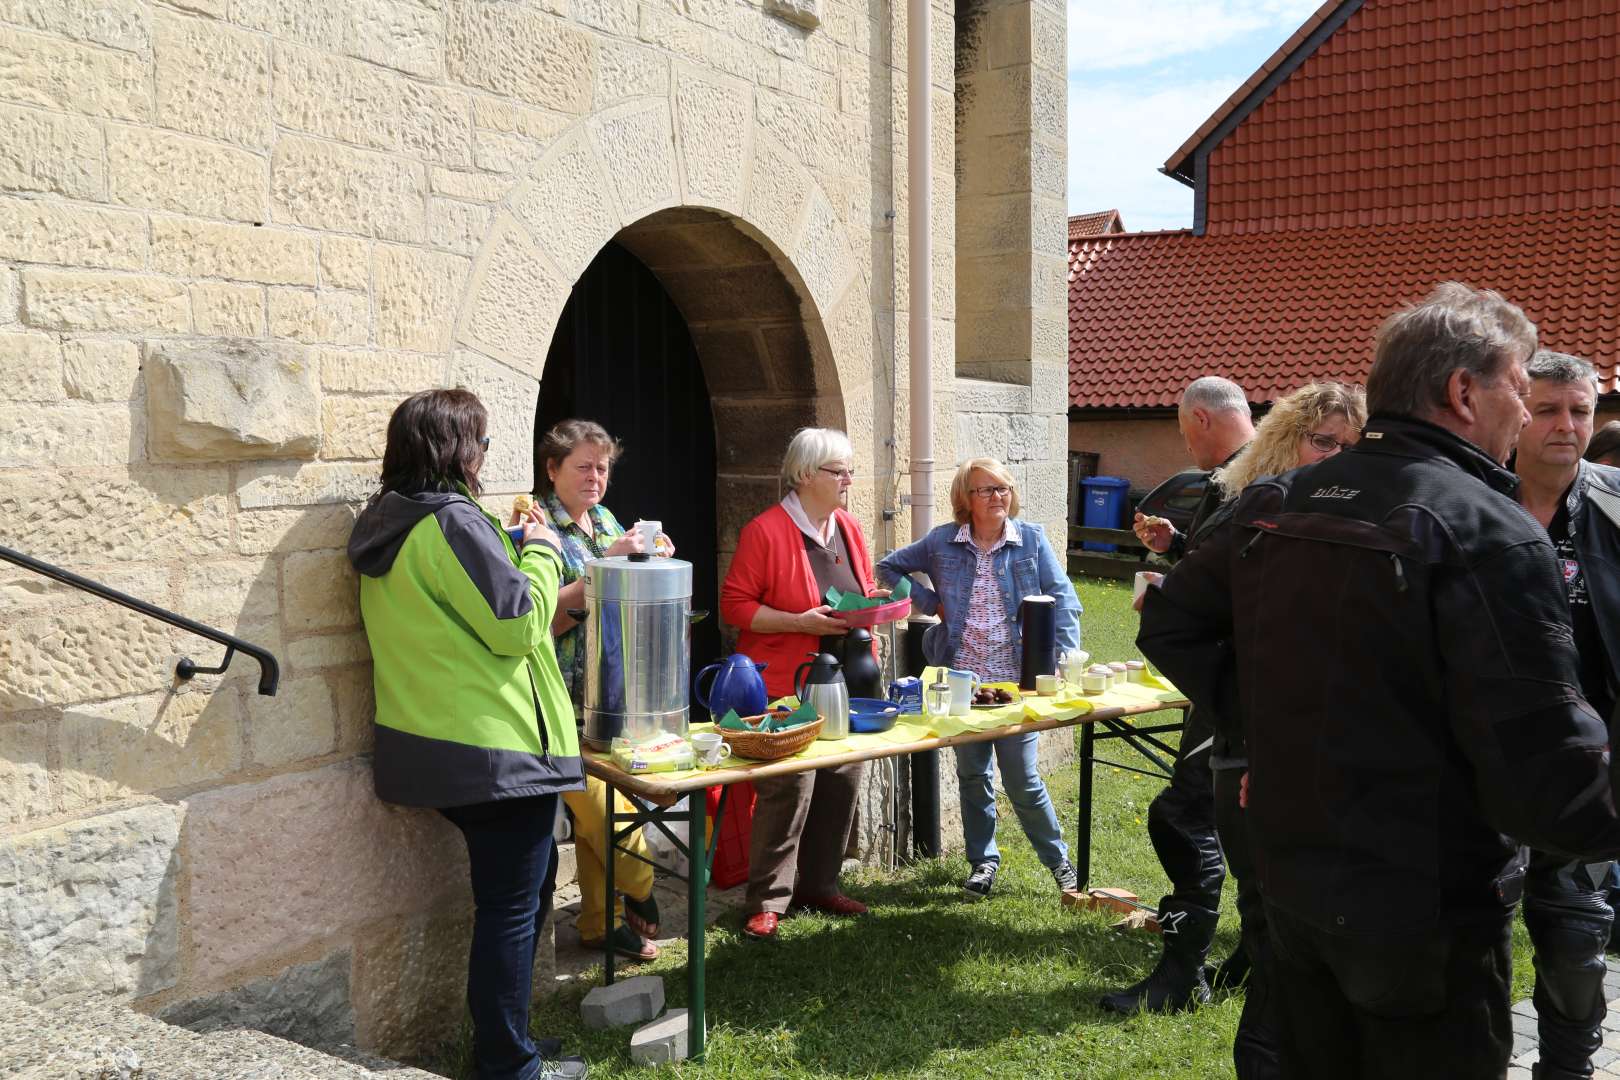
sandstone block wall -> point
(233, 234)
(1011, 267)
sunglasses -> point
(484, 442)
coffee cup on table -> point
(711, 748)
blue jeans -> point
(1018, 759)
(513, 862)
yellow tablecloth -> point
(914, 727)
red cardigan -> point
(771, 569)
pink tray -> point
(893, 611)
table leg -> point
(1082, 837)
(610, 848)
(697, 882)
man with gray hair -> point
(1215, 424)
(1411, 696)
(1214, 421)
(1566, 903)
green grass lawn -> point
(929, 985)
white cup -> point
(711, 748)
(1144, 578)
(963, 684)
(1074, 666)
(649, 535)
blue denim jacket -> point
(1027, 568)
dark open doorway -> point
(622, 355)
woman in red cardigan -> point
(786, 559)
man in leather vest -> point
(1410, 692)
(1566, 902)
(1215, 422)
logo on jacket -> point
(1572, 570)
(1335, 492)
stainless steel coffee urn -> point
(637, 647)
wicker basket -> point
(770, 745)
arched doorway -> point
(622, 355)
(695, 343)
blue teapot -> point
(737, 685)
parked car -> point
(1176, 498)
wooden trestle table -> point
(1108, 717)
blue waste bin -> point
(1106, 498)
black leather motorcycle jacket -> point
(1406, 679)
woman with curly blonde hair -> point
(1314, 422)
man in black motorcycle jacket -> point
(1410, 693)
(1566, 902)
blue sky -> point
(1143, 75)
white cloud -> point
(1120, 135)
(1110, 34)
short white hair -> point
(811, 448)
(1214, 394)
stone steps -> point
(109, 1041)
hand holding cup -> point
(1144, 579)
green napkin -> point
(732, 722)
(804, 714)
(848, 601)
(902, 590)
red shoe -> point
(761, 925)
(835, 904)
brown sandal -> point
(625, 942)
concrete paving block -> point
(628, 1001)
(1528, 1058)
(662, 1041)
(1604, 1056)
(1516, 1073)
(1524, 1025)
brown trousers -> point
(801, 827)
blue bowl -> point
(868, 716)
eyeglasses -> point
(1327, 444)
(484, 442)
(842, 474)
(999, 490)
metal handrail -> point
(269, 670)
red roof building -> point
(1387, 146)
(1101, 223)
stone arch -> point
(741, 234)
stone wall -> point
(1002, 420)
(1011, 253)
(233, 234)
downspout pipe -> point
(919, 217)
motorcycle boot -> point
(1177, 981)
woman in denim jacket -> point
(982, 566)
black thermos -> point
(1038, 614)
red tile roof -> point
(1149, 312)
(1098, 224)
(1424, 109)
(1181, 161)
(1398, 143)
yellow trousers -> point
(631, 876)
